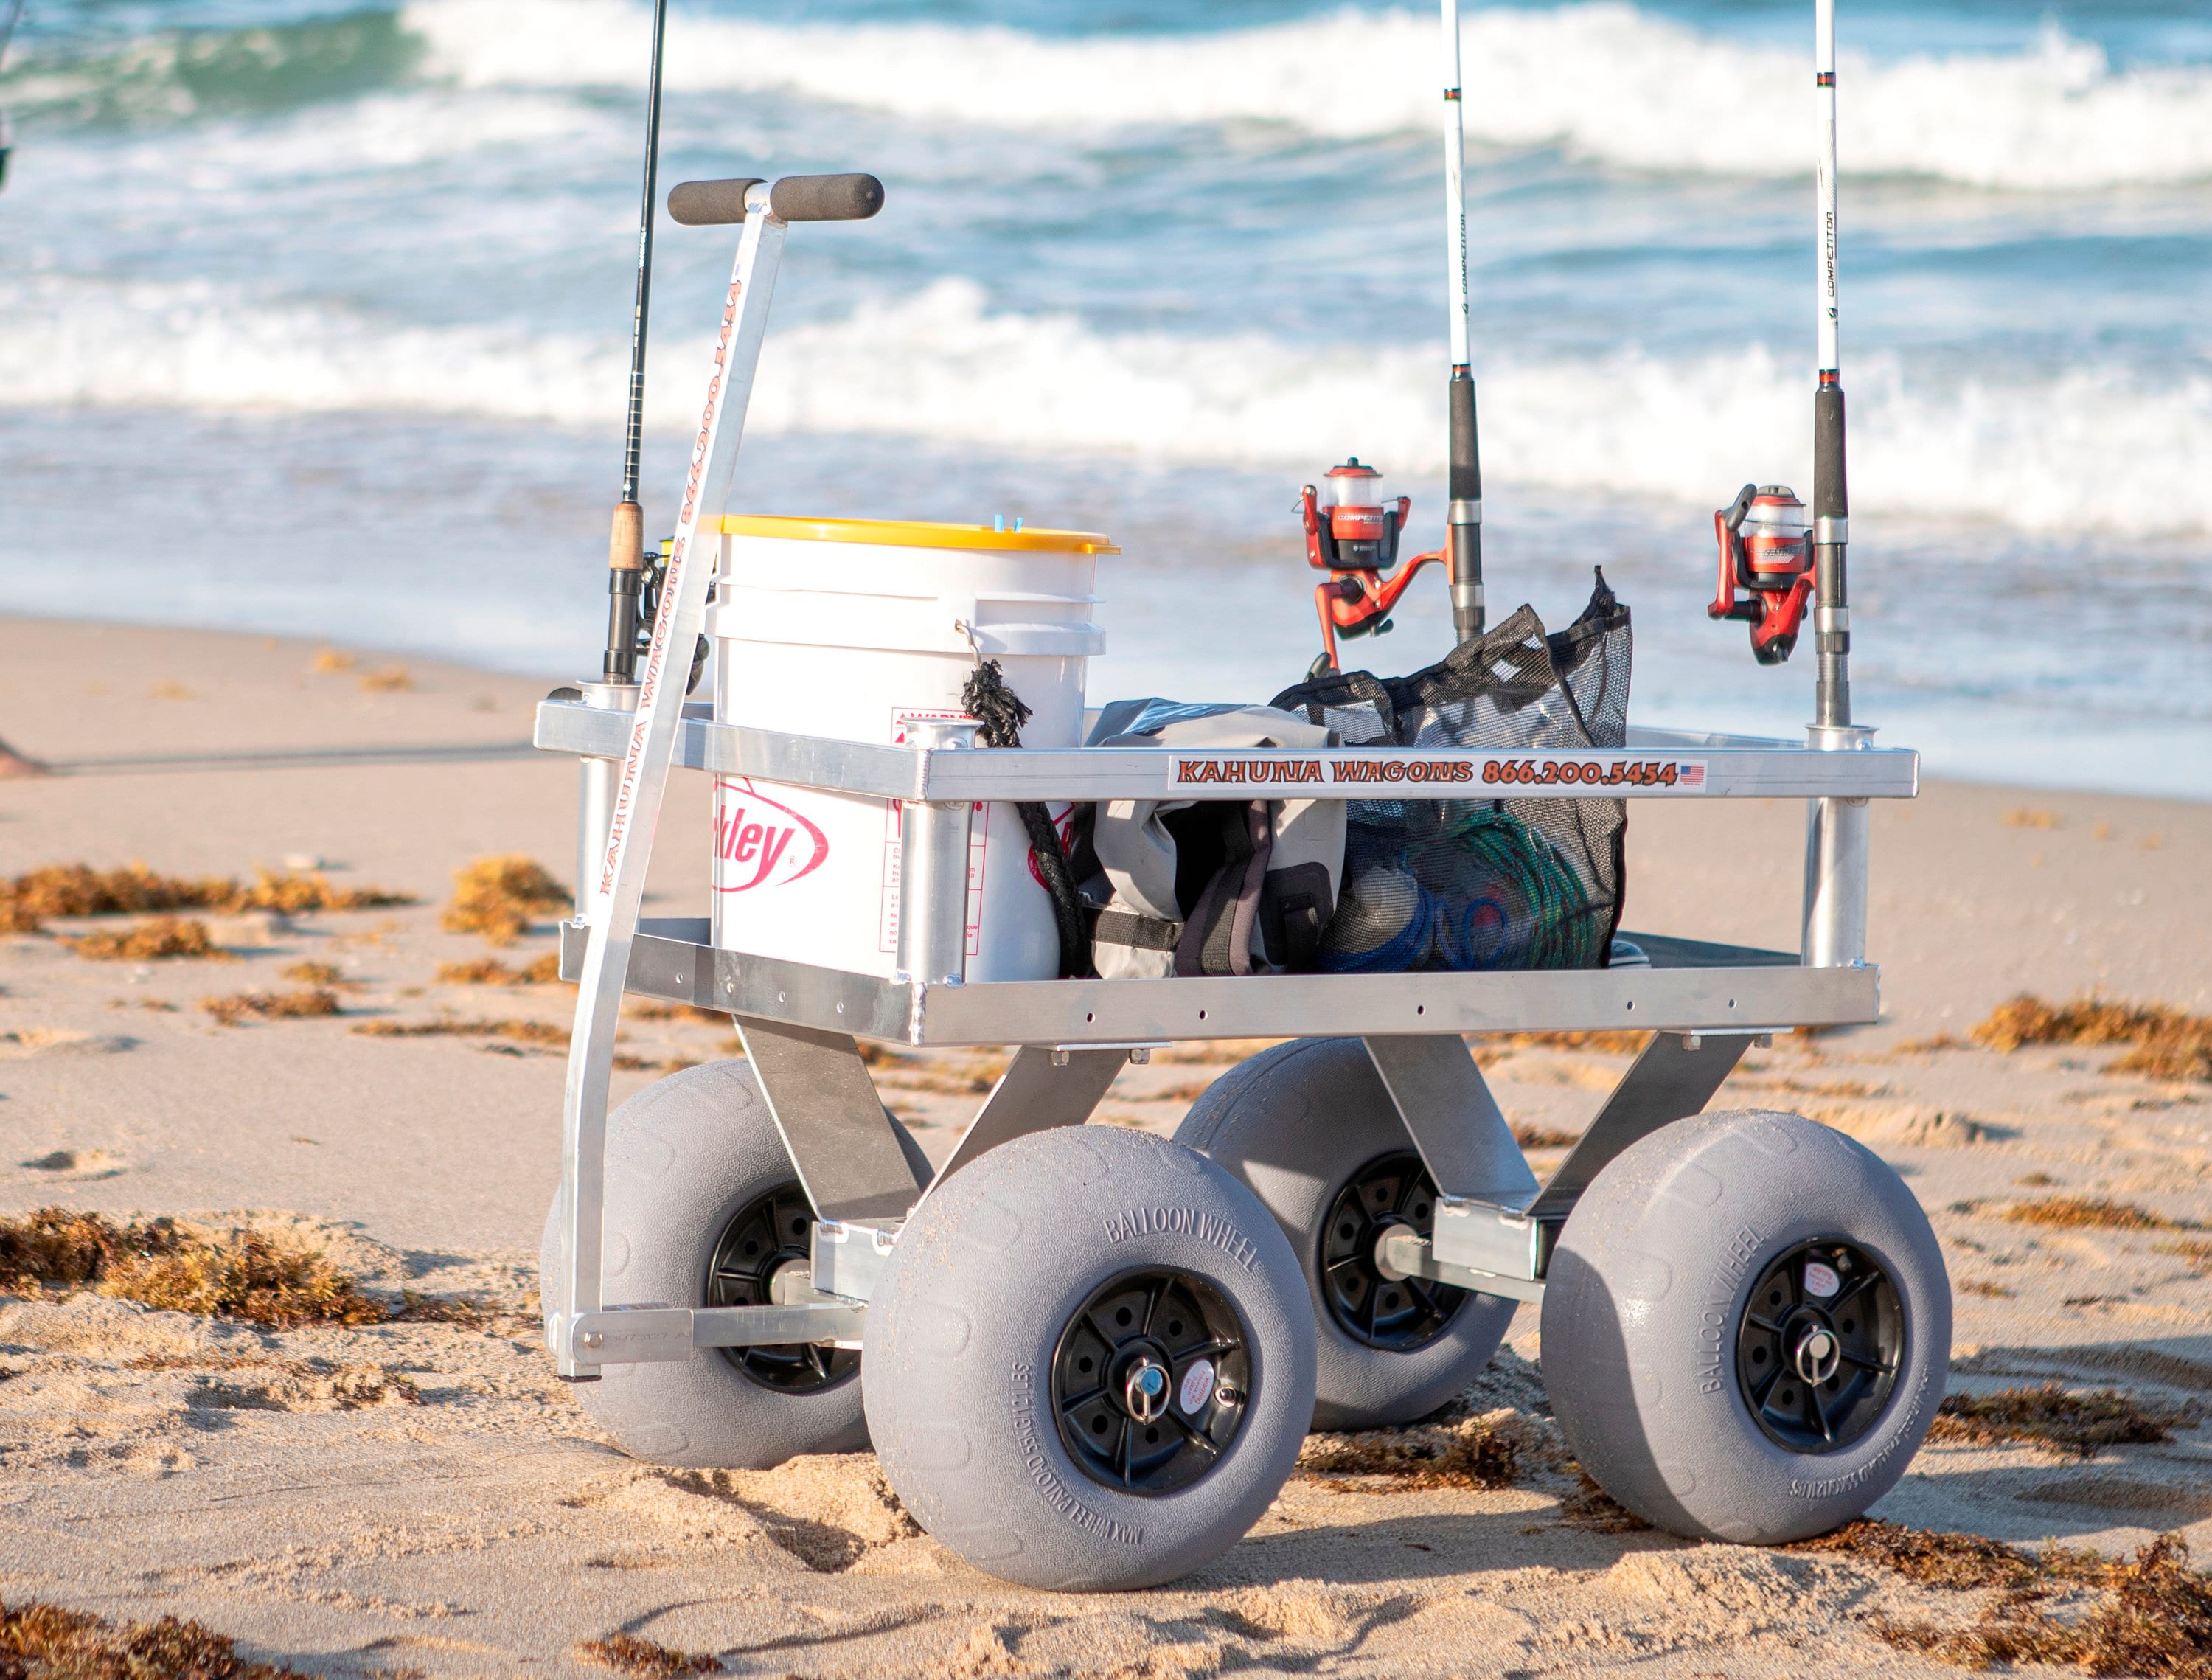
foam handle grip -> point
(826, 197)
(1466, 479)
(710, 203)
(1831, 499)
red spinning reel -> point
(1353, 535)
(1765, 568)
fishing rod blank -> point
(1463, 541)
(1832, 620)
(626, 542)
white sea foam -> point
(1604, 80)
(2078, 450)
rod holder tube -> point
(1838, 846)
(595, 794)
(933, 884)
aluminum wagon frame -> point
(802, 1025)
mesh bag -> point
(1491, 883)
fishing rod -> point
(1832, 619)
(626, 542)
(7, 35)
(1463, 541)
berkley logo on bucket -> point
(760, 842)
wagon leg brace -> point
(1041, 1088)
(1483, 1238)
(1674, 1077)
(839, 1135)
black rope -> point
(1001, 713)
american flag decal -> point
(1690, 776)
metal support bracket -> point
(1404, 1252)
(657, 1335)
(1674, 1077)
(838, 1133)
(849, 1258)
(1456, 1123)
(1043, 1086)
(1483, 1181)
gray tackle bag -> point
(1208, 886)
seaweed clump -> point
(1474, 1452)
(2092, 1213)
(499, 897)
(28, 901)
(247, 1276)
(544, 971)
(2152, 1616)
(2165, 1042)
(2075, 1425)
(153, 940)
(242, 1006)
(47, 1642)
(626, 1654)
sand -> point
(423, 1497)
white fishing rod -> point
(1463, 541)
(1831, 621)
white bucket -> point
(853, 629)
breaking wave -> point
(1604, 82)
(2076, 451)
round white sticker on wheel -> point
(1820, 1280)
(1197, 1387)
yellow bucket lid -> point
(915, 533)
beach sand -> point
(422, 1496)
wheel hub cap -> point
(1818, 1348)
(766, 1235)
(1150, 1381)
(1398, 1314)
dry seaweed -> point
(1530, 1136)
(75, 889)
(2075, 1425)
(2195, 1250)
(1959, 1562)
(47, 1642)
(527, 1033)
(242, 1006)
(1590, 1506)
(2092, 1213)
(2154, 1618)
(163, 936)
(499, 897)
(1472, 1453)
(243, 1274)
(314, 974)
(627, 1653)
(2165, 1042)
(544, 971)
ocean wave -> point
(1604, 82)
(2075, 450)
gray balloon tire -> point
(684, 1155)
(963, 1326)
(1293, 1124)
(1648, 1282)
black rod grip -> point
(710, 203)
(826, 197)
(1831, 500)
(1466, 453)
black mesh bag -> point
(1486, 883)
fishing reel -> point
(1352, 534)
(1765, 568)
(651, 576)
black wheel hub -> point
(770, 1232)
(1396, 1314)
(1150, 1381)
(1816, 1353)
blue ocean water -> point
(314, 319)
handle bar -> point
(793, 198)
